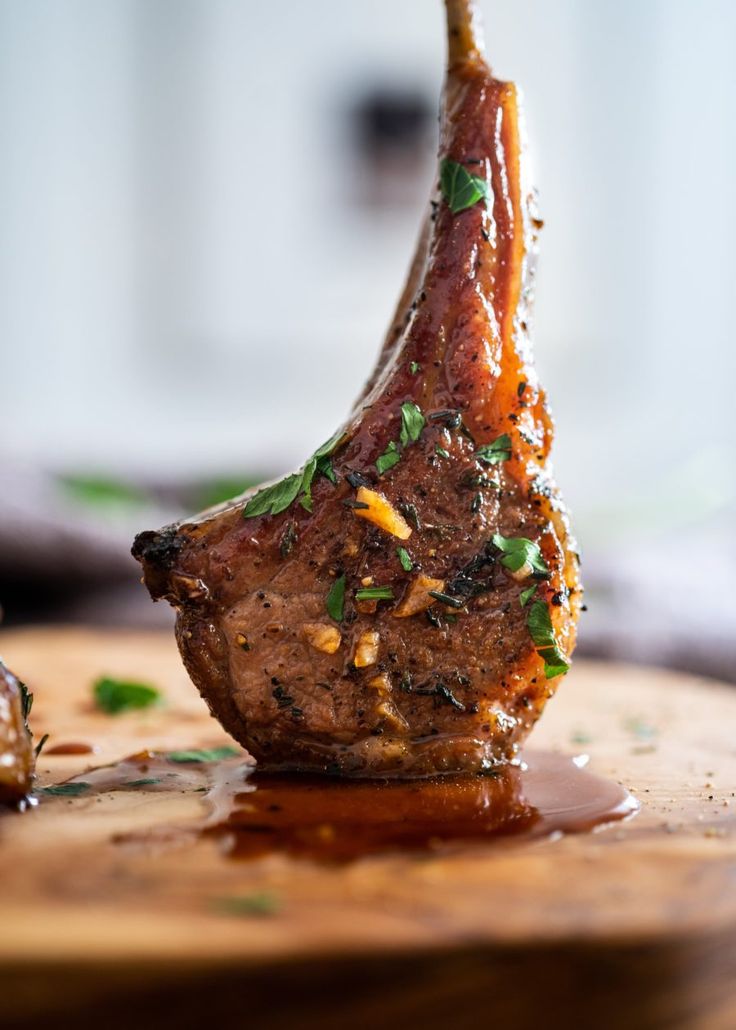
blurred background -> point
(207, 211)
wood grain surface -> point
(634, 925)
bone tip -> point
(464, 32)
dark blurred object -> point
(392, 130)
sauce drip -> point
(324, 819)
(72, 748)
(342, 820)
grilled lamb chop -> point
(16, 752)
(406, 602)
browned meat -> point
(16, 752)
(406, 602)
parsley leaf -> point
(414, 367)
(374, 594)
(69, 790)
(412, 423)
(336, 599)
(405, 558)
(461, 189)
(542, 633)
(262, 903)
(114, 696)
(388, 459)
(518, 551)
(201, 755)
(279, 496)
(496, 452)
(526, 595)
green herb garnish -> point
(526, 595)
(405, 558)
(412, 423)
(496, 452)
(414, 367)
(201, 755)
(114, 696)
(279, 496)
(264, 903)
(101, 492)
(375, 594)
(518, 551)
(142, 783)
(441, 451)
(461, 189)
(336, 599)
(542, 633)
(68, 790)
(388, 459)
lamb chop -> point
(16, 752)
(406, 602)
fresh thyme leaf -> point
(414, 367)
(388, 459)
(40, 746)
(496, 452)
(518, 551)
(336, 599)
(114, 696)
(405, 558)
(526, 595)
(412, 423)
(375, 594)
(441, 451)
(262, 903)
(453, 602)
(26, 701)
(201, 755)
(69, 790)
(142, 783)
(461, 189)
(539, 623)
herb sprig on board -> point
(114, 696)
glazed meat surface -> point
(16, 752)
(406, 603)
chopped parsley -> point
(274, 499)
(518, 551)
(441, 451)
(114, 696)
(496, 452)
(388, 459)
(66, 790)
(375, 594)
(460, 189)
(414, 367)
(542, 633)
(201, 755)
(405, 558)
(526, 595)
(335, 602)
(412, 423)
(262, 903)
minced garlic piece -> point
(417, 599)
(522, 573)
(321, 637)
(381, 513)
(367, 581)
(366, 651)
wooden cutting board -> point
(633, 925)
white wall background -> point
(184, 287)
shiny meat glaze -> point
(458, 685)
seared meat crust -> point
(371, 689)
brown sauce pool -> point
(253, 814)
(331, 820)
